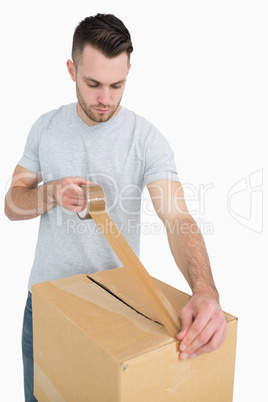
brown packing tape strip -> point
(42, 383)
(153, 294)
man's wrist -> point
(49, 192)
(210, 292)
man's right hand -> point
(68, 193)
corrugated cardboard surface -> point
(96, 339)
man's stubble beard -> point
(97, 118)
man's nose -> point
(104, 97)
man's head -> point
(101, 61)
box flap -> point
(119, 283)
(117, 328)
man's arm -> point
(204, 326)
(26, 199)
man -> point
(96, 140)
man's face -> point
(100, 83)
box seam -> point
(122, 301)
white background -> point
(199, 73)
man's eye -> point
(116, 86)
(92, 85)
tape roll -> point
(155, 297)
(95, 201)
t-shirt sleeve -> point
(159, 159)
(30, 157)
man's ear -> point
(71, 70)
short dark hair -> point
(104, 32)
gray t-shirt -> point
(122, 155)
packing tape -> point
(155, 297)
(42, 383)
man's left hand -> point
(204, 327)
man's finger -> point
(209, 339)
(202, 338)
(74, 207)
(194, 331)
(80, 181)
(213, 344)
(186, 322)
(73, 198)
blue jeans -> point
(27, 351)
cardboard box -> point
(96, 339)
